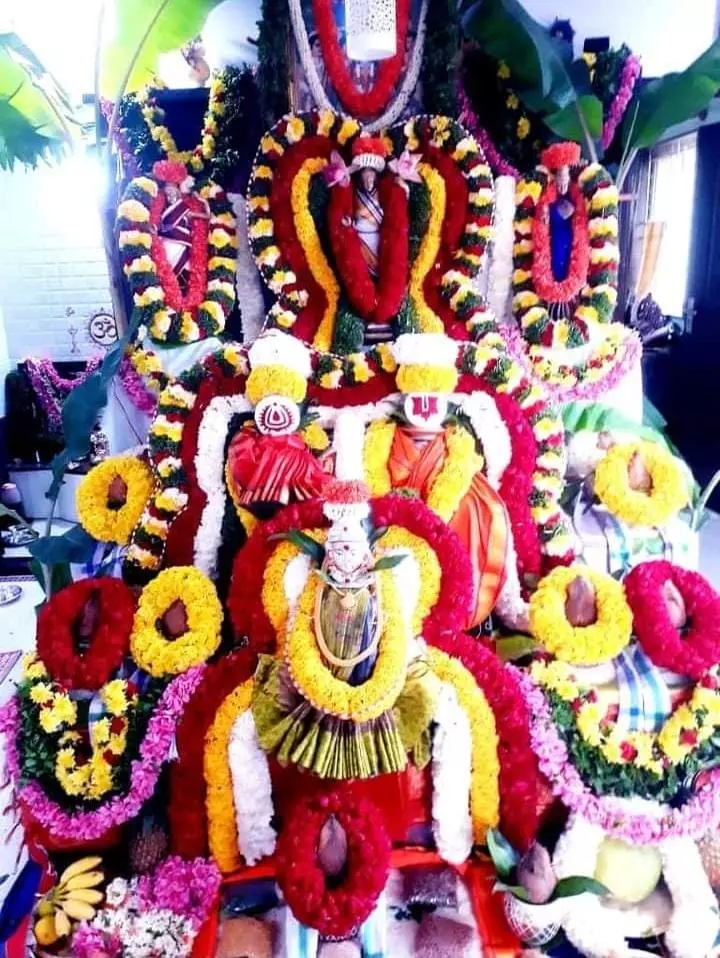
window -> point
(672, 189)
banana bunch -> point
(73, 899)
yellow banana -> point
(80, 866)
(45, 908)
(45, 933)
(62, 924)
(86, 880)
(90, 895)
(79, 910)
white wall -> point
(667, 34)
(51, 259)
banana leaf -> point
(505, 30)
(671, 99)
(581, 118)
(143, 30)
(36, 116)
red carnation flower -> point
(688, 737)
(628, 752)
(117, 725)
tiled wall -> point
(52, 265)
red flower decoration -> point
(561, 154)
(354, 102)
(334, 909)
(698, 649)
(169, 172)
(546, 286)
(110, 642)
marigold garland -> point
(273, 596)
(669, 491)
(697, 648)
(426, 378)
(310, 241)
(108, 523)
(397, 539)
(222, 830)
(316, 683)
(428, 320)
(150, 649)
(484, 791)
(109, 643)
(686, 729)
(170, 315)
(598, 296)
(587, 645)
(275, 380)
(335, 911)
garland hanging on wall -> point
(51, 389)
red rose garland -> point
(546, 286)
(691, 654)
(186, 809)
(197, 271)
(362, 105)
(334, 911)
(110, 642)
(378, 301)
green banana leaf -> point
(568, 122)
(671, 99)
(505, 30)
(143, 30)
(36, 117)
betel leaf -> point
(517, 891)
(304, 542)
(75, 545)
(578, 885)
(388, 562)
(505, 30)
(568, 122)
(671, 99)
(503, 855)
(175, 23)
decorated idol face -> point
(348, 552)
(562, 179)
(368, 179)
(425, 410)
(277, 416)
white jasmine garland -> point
(451, 765)
(322, 101)
(501, 254)
(348, 443)
(252, 791)
(210, 471)
(594, 930)
(407, 581)
(248, 283)
(510, 606)
(279, 349)
(481, 409)
(425, 349)
(694, 923)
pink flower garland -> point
(628, 78)
(187, 888)
(51, 389)
(615, 816)
(628, 357)
(132, 383)
(154, 751)
(470, 120)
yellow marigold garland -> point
(94, 514)
(426, 378)
(150, 649)
(318, 685)
(669, 491)
(428, 320)
(428, 567)
(587, 645)
(273, 595)
(310, 241)
(690, 724)
(275, 380)
(484, 789)
(219, 802)
(453, 481)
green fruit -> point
(631, 872)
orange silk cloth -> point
(480, 521)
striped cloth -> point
(644, 698)
(300, 941)
(374, 931)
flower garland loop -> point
(596, 201)
(334, 911)
(160, 656)
(109, 521)
(110, 641)
(697, 649)
(580, 645)
(171, 316)
(669, 492)
(51, 389)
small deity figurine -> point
(367, 164)
(561, 209)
